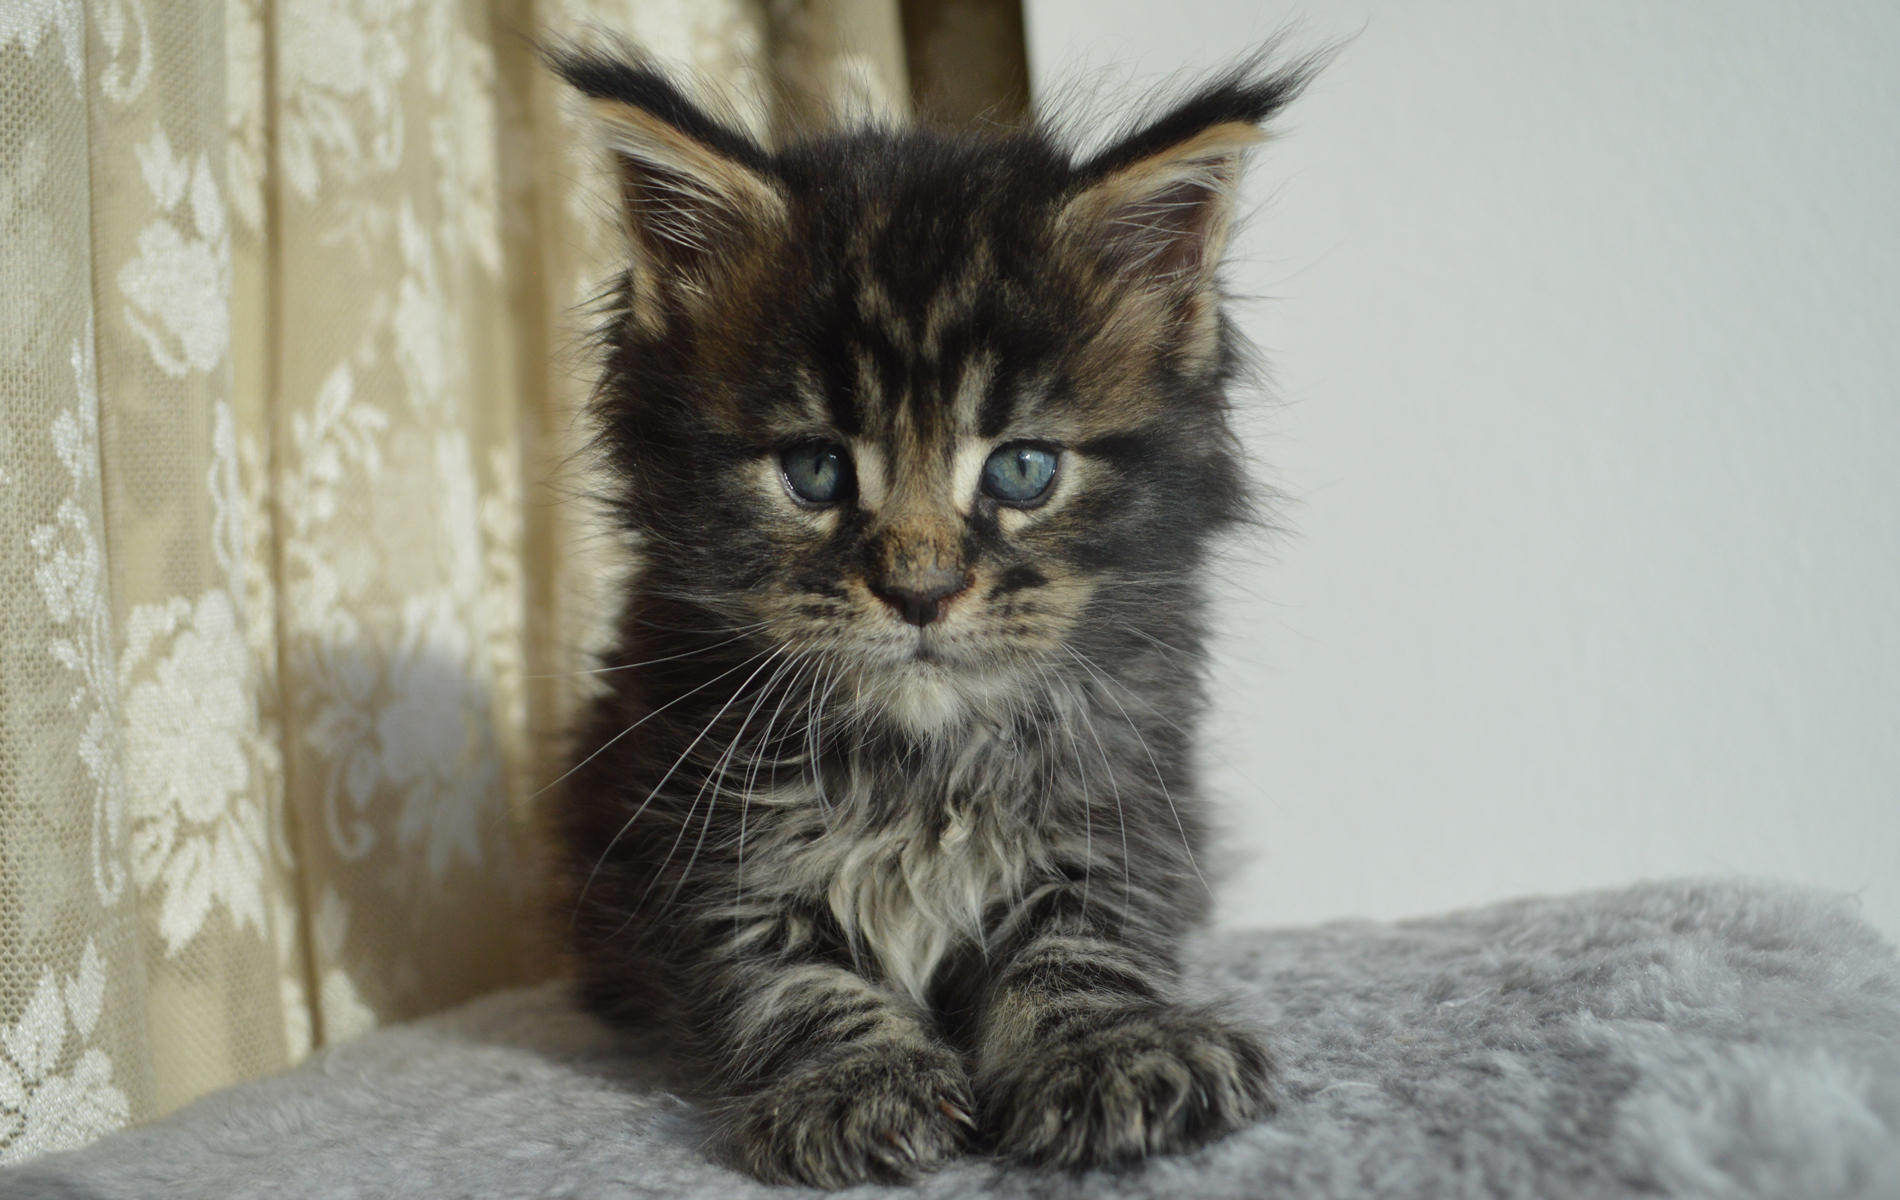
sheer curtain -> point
(287, 614)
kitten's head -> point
(928, 407)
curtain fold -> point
(292, 304)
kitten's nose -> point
(922, 597)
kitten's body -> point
(889, 810)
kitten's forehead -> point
(926, 442)
(939, 307)
(919, 366)
(923, 403)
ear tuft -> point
(1158, 202)
(633, 81)
(696, 190)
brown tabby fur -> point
(889, 812)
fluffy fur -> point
(1686, 1042)
(888, 812)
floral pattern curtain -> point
(289, 617)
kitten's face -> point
(926, 501)
(939, 571)
(921, 411)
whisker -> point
(749, 626)
(643, 720)
(1088, 828)
(687, 820)
(1204, 746)
(745, 802)
(815, 738)
(628, 823)
(1121, 816)
(1108, 770)
(634, 666)
(716, 777)
(1186, 846)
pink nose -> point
(922, 598)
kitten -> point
(889, 813)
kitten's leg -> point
(836, 1080)
(1084, 1057)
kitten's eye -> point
(1019, 473)
(817, 472)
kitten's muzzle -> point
(922, 596)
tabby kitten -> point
(889, 814)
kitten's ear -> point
(697, 192)
(1158, 203)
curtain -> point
(289, 616)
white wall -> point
(1585, 321)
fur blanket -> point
(1684, 1040)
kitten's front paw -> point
(1151, 1082)
(889, 1115)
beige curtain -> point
(288, 615)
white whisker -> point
(1186, 846)
(677, 762)
(716, 778)
(648, 663)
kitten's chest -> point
(910, 878)
(914, 891)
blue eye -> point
(817, 472)
(1019, 473)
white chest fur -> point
(907, 894)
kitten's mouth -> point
(930, 649)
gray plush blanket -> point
(1705, 1040)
